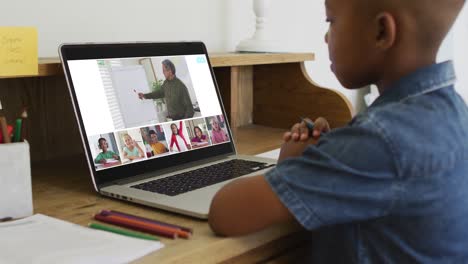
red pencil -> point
(147, 225)
(178, 231)
(186, 229)
(117, 222)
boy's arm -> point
(245, 206)
(249, 204)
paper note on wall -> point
(18, 51)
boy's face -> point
(154, 138)
(349, 40)
(103, 145)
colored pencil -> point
(121, 231)
(17, 133)
(133, 226)
(117, 222)
(24, 116)
(186, 229)
(4, 128)
(138, 223)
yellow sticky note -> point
(18, 51)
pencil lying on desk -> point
(178, 230)
(186, 229)
(122, 231)
(142, 226)
(135, 226)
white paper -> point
(274, 154)
(43, 239)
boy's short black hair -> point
(151, 132)
(170, 65)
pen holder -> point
(15, 180)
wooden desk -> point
(63, 189)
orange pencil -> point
(178, 231)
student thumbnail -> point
(198, 131)
(131, 144)
(155, 140)
(218, 129)
(104, 150)
(178, 137)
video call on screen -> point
(136, 109)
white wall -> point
(460, 52)
(115, 20)
(299, 24)
(455, 48)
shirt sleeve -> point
(156, 94)
(348, 176)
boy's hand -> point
(141, 96)
(300, 131)
(292, 149)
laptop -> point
(153, 125)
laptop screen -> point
(140, 110)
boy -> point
(158, 147)
(106, 153)
(391, 187)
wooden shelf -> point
(248, 59)
(53, 67)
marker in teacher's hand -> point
(138, 94)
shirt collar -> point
(422, 81)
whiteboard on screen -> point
(128, 81)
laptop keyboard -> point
(199, 178)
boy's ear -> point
(386, 30)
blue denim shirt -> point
(391, 186)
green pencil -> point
(17, 134)
(122, 231)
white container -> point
(15, 180)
